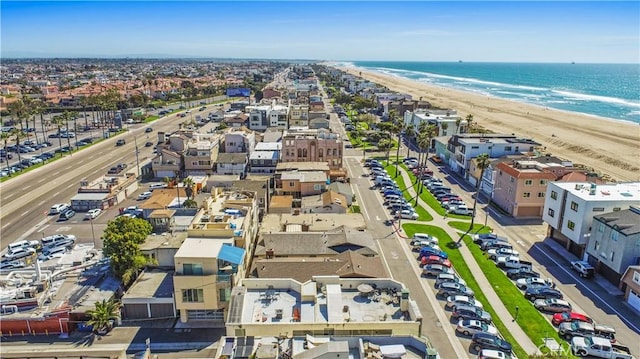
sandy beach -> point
(609, 147)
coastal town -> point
(296, 209)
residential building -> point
(520, 187)
(151, 296)
(615, 242)
(232, 164)
(300, 184)
(630, 284)
(298, 115)
(201, 155)
(569, 209)
(262, 117)
(460, 149)
(344, 189)
(239, 141)
(313, 146)
(327, 202)
(263, 161)
(236, 120)
(443, 120)
(281, 204)
(261, 186)
(205, 270)
(163, 199)
(269, 146)
(291, 308)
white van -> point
(57, 240)
(425, 237)
(24, 244)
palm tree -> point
(458, 122)
(423, 143)
(409, 132)
(385, 145)
(19, 112)
(38, 108)
(188, 187)
(101, 316)
(18, 134)
(66, 116)
(5, 137)
(469, 120)
(57, 121)
(444, 127)
(482, 162)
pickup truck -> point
(512, 262)
(584, 269)
(597, 347)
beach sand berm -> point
(608, 146)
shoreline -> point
(611, 147)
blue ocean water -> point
(604, 90)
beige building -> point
(327, 202)
(313, 146)
(300, 184)
(298, 115)
(325, 305)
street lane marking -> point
(578, 282)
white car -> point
(55, 252)
(92, 213)
(455, 300)
(157, 186)
(144, 195)
(471, 327)
(463, 210)
(524, 283)
(19, 253)
(58, 208)
(502, 252)
(407, 214)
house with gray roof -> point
(614, 244)
(232, 164)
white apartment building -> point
(437, 118)
(570, 206)
(262, 117)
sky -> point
(539, 31)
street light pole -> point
(488, 206)
(135, 140)
(93, 233)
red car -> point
(570, 317)
(434, 260)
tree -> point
(18, 134)
(101, 316)
(469, 120)
(409, 132)
(121, 243)
(396, 129)
(58, 121)
(458, 121)
(190, 203)
(188, 187)
(385, 145)
(5, 137)
(482, 162)
(445, 127)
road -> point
(26, 198)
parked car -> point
(57, 240)
(583, 268)
(461, 210)
(449, 289)
(22, 244)
(523, 272)
(472, 313)
(55, 252)
(456, 300)
(499, 252)
(431, 251)
(569, 330)
(481, 341)
(495, 244)
(157, 186)
(407, 214)
(148, 144)
(470, 327)
(435, 260)
(436, 269)
(92, 213)
(542, 293)
(66, 215)
(485, 237)
(11, 264)
(19, 253)
(526, 283)
(144, 195)
(570, 317)
(58, 208)
(552, 305)
(490, 353)
(448, 278)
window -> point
(636, 277)
(500, 173)
(517, 149)
(616, 209)
(613, 255)
(223, 295)
(598, 209)
(528, 182)
(614, 235)
(474, 147)
(320, 152)
(526, 194)
(551, 212)
(335, 151)
(317, 187)
(512, 179)
(601, 228)
(507, 149)
(596, 246)
(574, 206)
(543, 182)
(192, 295)
(192, 269)
(541, 194)
(554, 195)
(571, 225)
(292, 184)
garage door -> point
(135, 311)
(529, 211)
(164, 310)
(634, 300)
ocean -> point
(604, 90)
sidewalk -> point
(515, 330)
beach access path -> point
(523, 340)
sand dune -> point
(609, 147)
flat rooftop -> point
(627, 191)
(202, 247)
(152, 284)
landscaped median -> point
(423, 214)
(532, 322)
(447, 244)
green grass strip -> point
(464, 227)
(445, 242)
(423, 214)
